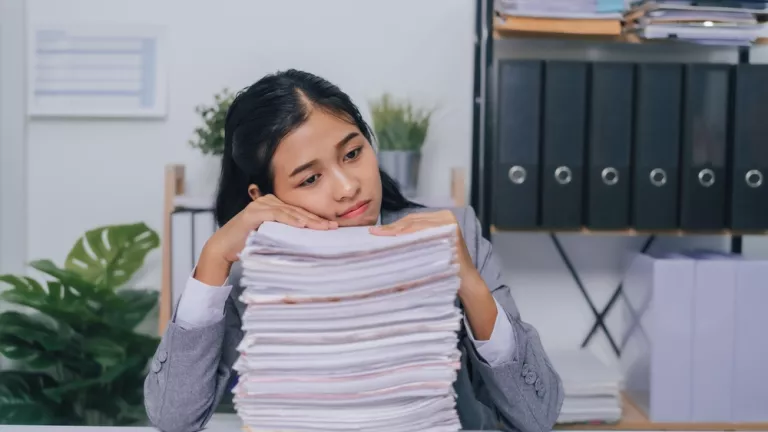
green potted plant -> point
(400, 131)
(77, 357)
(209, 137)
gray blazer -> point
(192, 368)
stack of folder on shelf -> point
(344, 330)
(712, 22)
(592, 388)
(578, 17)
(694, 343)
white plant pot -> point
(403, 167)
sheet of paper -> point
(273, 237)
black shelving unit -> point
(482, 164)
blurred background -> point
(76, 157)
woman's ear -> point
(254, 191)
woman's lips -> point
(355, 211)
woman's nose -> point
(345, 186)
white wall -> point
(13, 239)
(12, 138)
(85, 173)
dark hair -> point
(261, 116)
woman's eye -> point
(353, 154)
(310, 181)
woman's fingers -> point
(384, 230)
(311, 221)
(413, 223)
(398, 228)
(293, 215)
(288, 218)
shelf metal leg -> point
(745, 54)
(736, 243)
(635, 317)
(598, 317)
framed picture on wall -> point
(86, 70)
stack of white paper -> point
(345, 330)
(710, 23)
(592, 388)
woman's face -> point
(328, 168)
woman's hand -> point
(420, 221)
(222, 249)
(479, 305)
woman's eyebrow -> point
(303, 167)
(347, 139)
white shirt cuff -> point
(501, 345)
(201, 305)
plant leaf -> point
(398, 125)
(108, 256)
(22, 398)
(209, 138)
(34, 339)
(129, 307)
(104, 351)
(67, 277)
(109, 375)
(64, 303)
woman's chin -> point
(362, 220)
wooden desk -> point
(634, 419)
(219, 423)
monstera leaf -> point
(128, 308)
(34, 339)
(59, 301)
(109, 256)
(23, 399)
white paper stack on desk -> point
(592, 388)
(345, 330)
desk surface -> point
(219, 423)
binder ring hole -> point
(563, 175)
(610, 176)
(754, 178)
(706, 177)
(517, 174)
(658, 177)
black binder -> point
(656, 146)
(516, 173)
(565, 107)
(749, 191)
(704, 137)
(609, 145)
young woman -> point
(297, 151)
